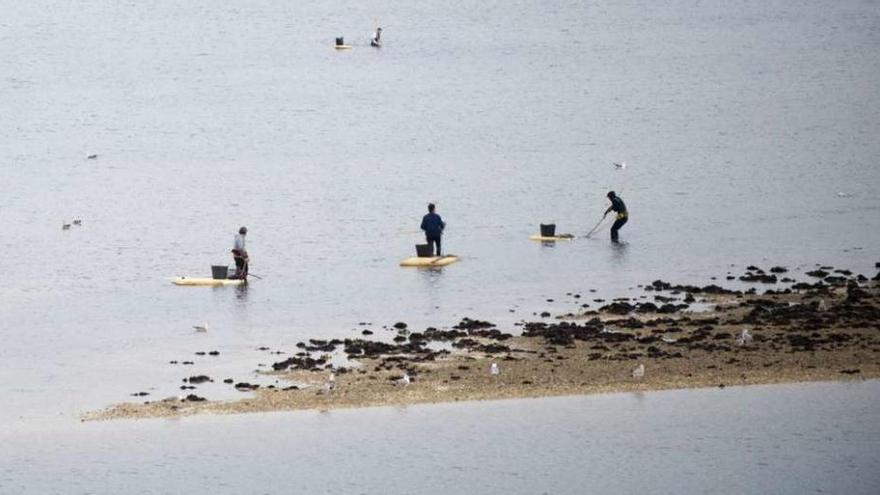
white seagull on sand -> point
(404, 381)
(639, 372)
(493, 370)
(331, 382)
(744, 338)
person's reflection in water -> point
(241, 293)
(618, 252)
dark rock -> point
(818, 273)
(214, 353)
(850, 372)
(228, 380)
(618, 308)
(400, 325)
(198, 379)
(778, 269)
(194, 398)
(469, 324)
(367, 332)
(759, 277)
(545, 314)
(246, 386)
(140, 394)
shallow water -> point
(807, 438)
(740, 124)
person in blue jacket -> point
(433, 226)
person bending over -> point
(619, 207)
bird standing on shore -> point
(493, 370)
(639, 372)
(331, 383)
(744, 338)
(403, 381)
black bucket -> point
(424, 250)
(340, 41)
(219, 272)
(548, 230)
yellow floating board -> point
(429, 262)
(342, 47)
(206, 282)
(555, 238)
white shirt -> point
(239, 243)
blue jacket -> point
(433, 225)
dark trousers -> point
(241, 267)
(434, 240)
(617, 225)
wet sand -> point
(825, 328)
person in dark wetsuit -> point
(619, 207)
(433, 226)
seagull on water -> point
(744, 338)
(620, 165)
(201, 328)
(639, 372)
(493, 370)
(77, 221)
(65, 226)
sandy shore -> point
(827, 328)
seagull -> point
(77, 221)
(65, 226)
(331, 383)
(639, 372)
(744, 338)
(92, 157)
(669, 340)
(822, 306)
(620, 165)
(403, 381)
(843, 195)
(493, 370)
(201, 328)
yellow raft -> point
(429, 262)
(206, 282)
(563, 237)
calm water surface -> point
(749, 129)
(788, 439)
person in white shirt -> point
(240, 255)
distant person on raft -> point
(377, 37)
(619, 207)
(433, 226)
(240, 255)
